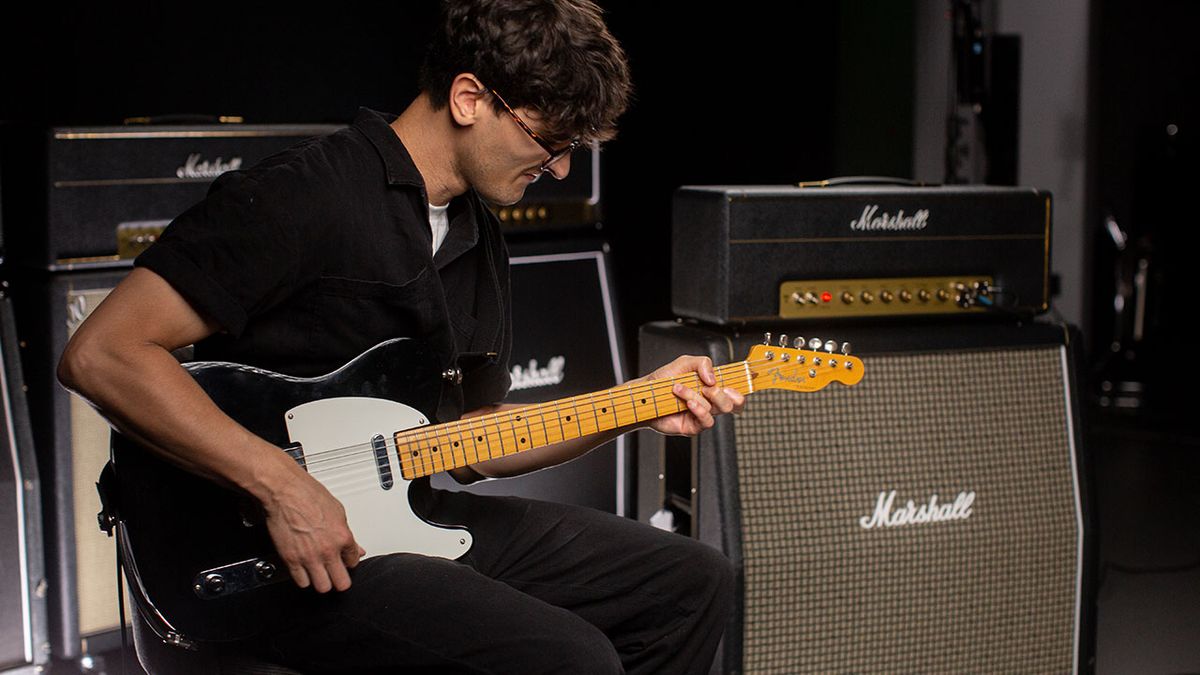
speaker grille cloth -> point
(995, 591)
(95, 554)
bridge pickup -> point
(382, 464)
(296, 452)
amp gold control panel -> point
(901, 296)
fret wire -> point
(657, 388)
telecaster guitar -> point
(201, 564)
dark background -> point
(737, 94)
(771, 96)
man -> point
(380, 231)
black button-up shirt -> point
(324, 250)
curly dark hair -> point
(552, 56)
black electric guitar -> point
(200, 561)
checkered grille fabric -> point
(993, 592)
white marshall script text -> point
(912, 514)
(533, 376)
(886, 221)
(194, 168)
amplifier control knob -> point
(848, 298)
(905, 296)
(923, 295)
(797, 298)
(868, 297)
(811, 298)
(943, 295)
(887, 296)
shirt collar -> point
(399, 164)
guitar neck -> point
(428, 450)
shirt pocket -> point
(353, 315)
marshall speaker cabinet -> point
(566, 342)
(72, 442)
(931, 518)
(743, 254)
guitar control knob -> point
(264, 570)
(214, 583)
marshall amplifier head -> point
(110, 190)
(769, 253)
(549, 204)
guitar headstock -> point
(804, 366)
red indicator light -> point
(826, 296)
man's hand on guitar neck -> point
(702, 405)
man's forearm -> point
(531, 460)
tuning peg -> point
(798, 343)
(783, 340)
(767, 339)
(830, 345)
(814, 344)
(846, 348)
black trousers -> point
(546, 588)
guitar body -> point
(199, 558)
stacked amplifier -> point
(770, 253)
(106, 194)
(934, 516)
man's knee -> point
(585, 651)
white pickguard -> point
(336, 436)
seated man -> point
(381, 230)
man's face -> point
(508, 158)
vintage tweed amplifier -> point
(933, 518)
(111, 190)
(770, 253)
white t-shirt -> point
(439, 222)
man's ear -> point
(466, 99)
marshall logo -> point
(886, 221)
(194, 168)
(532, 376)
(913, 514)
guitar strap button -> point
(452, 375)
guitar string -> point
(540, 410)
(538, 413)
(531, 415)
(528, 416)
